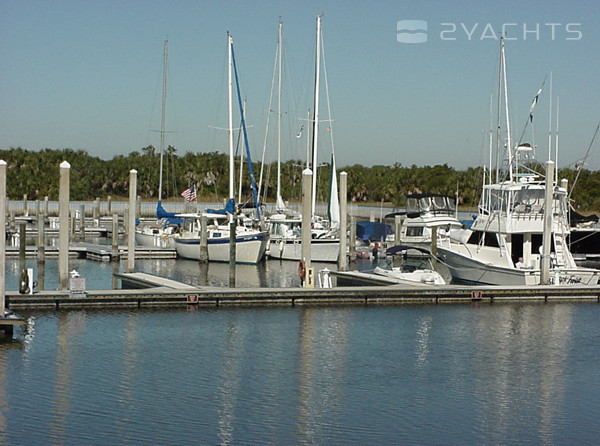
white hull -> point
(472, 271)
(149, 240)
(425, 276)
(321, 250)
(250, 248)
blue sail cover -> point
(373, 231)
(161, 213)
(171, 218)
(229, 208)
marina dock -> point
(90, 251)
(144, 290)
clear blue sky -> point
(87, 75)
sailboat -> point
(251, 241)
(285, 229)
(512, 237)
(161, 233)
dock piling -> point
(41, 239)
(63, 226)
(352, 238)
(232, 251)
(203, 239)
(307, 177)
(131, 221)
(2, 236)
(342, 259)
(115, 237)
(22, 245)
(82, 222)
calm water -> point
(428, 374)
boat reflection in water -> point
(294, 375)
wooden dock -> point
(167, 293)
(90, 251)
(8, 321)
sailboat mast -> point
(498, 114)
(315, 135)
(307, 140)
(550, 123)
(509, 142)
(162, 119)
(230, 115)
(279, 44)
(556, 140)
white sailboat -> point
(251, 242)
(285, 229)
(507, 243)
(161, 233)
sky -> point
(87, 75)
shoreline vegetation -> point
(36, 174)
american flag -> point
(190, 193)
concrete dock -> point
(167, 293)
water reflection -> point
(70, 326)
(322, 364)
(494, 374)
(230, 377)
(525, 349)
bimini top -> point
(417, 204)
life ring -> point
(302, 270)
(24, 282)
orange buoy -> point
(302, 269)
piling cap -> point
(65, 165)
(307, 171)
(2, 163)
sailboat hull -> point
(151, 239)
(250, 248)
(321, 250)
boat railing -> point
(528, 212)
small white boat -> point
(425, 276)
(413, 271)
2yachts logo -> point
(412, 31)
(415, 31)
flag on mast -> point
(190, 193)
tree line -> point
(36, 174)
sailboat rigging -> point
(250, 242)
(161, 233)
(285, 230)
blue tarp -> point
(170, 216)
(373, 231)
(229, 208)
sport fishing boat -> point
(512, 240)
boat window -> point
(439, 202)
(475, 238)
(528, 196)
(425, 203)
(412, 205)
(490, 239)
(414, 231)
